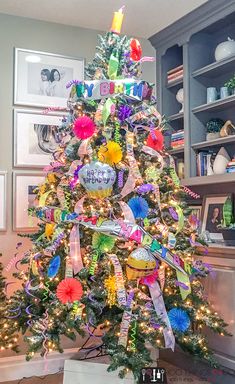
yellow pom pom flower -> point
(111, 153)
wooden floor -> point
(174, 376)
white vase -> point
(221, 161)
(180, 98)
(225, 49)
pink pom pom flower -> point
(83, 127)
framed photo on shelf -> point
(24, 185)
(212, 215)
(40, 77)
(195, 216)
(3, 200)
(36, 137)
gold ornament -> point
(49, 230)
(140, 263)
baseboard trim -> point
(16, 367)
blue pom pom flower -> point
(54, 267)
(139, 207)
(179, 319)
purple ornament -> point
(124, 112)
(173, 213)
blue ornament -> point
(179, 319)
(139, 207)
(54, 267)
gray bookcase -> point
(191, 41)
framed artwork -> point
(3, 200)
(212, 215)
(36, 136)
(40, 78)
(24, 185)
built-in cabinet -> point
(191, 42)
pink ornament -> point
(83, 127)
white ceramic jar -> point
(225, 49)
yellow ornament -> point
(51, 178)
(140, 263)
(111, 153)
(110, 285)
(49, 230)
(42, 189)
(34, 268)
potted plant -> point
(231, 84)
(213, 127)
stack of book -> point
(177, 139)
(205, 160)
(175, 74)
(231, 166)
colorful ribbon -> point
(75, 249)
(120, 285)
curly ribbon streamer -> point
(160, 309)
(191, 193)
(46, 292)
(58, 236)
(18, 310)
(56, 164)
(75, 249)
(52, 109)
(180, 215)
(77, 310)
(121, 292)
(144, 59)
(84, 148)
(161, 276)
(45, 327)
(120, 179)
(117, 133)
(13, 262)
(95, 258)
(73, 82)
(126, 319)
(133, 336)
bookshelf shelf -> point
(213, 179)
(213, 143)
(176, 116)
(216, 69)
(217, 105)
(176, 151)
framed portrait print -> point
(195, 216)
(36, 136)
(40, 78)
(3, 200)
(24, 185)
(212, 216)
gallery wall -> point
(41, 36)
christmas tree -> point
(8, 339)
(115, 245)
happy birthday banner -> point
(123, 230)
(99, 89)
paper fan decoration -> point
(102, 242)
(155, 140)
(54, 267)
(111, 153)
(69, 290)
(139, 207)
(84, 127)
(179, 319)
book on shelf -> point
(230, 166)
(205, 161)
(176, 69)
(175, 75)
(179, 143)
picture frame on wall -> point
(3, 200)
(36, 137)
(24, 185)
(212, 215)
(40, 78)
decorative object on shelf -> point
(195, 216)
(221, 161)
(212, 216)
(228, 129)
(224, 92)
(231, 166)
(213, 127)
(180, 98)
(211, 94)
(231, 84)
(225, 49)
(180, 168)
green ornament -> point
(152, 173)
(102, 243)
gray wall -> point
(42, 36)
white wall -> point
(41, 36)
